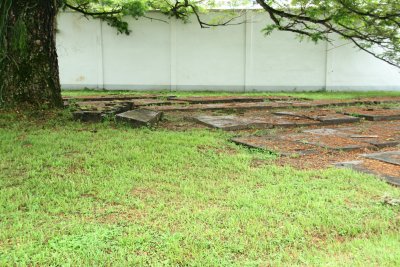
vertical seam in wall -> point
(326, 65)
(248, 56)
(173, 82)
(101, 84)
(245, 55)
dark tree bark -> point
(28, 58)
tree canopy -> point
(28, 56)
(371, 25)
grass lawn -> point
(311, 95)
(101, 194)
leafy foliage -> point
(371, 25)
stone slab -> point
(105, 106)
(288, 113)
(232, 99)
(376, 114)
(336, 119)
(392, 157)
(327, 141)
(383, 144)
(353, 133)
(220, 99)
(275, 145)
(88, 116)
(357, 165)
(149, 102)
(96, 111)
(231, 122)
(221, 106)
(323, 131)
(323, 117)
(139, 117)
(108, 97)
(380, 117)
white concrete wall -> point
(180, 56)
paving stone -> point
(335, 119)
(383, 144)
(96, 111)
(322, 116)
(220, 99)
(381, 117)
(231, 122)
(376, 114)
(275, 145)
(108, 97)
(88, 116)
(288, 113)
(139, 117)
(392, 157)
(149, 102)
(117, 106)
(220, 106)
(324, 131)
(328, 141)
(358, 165)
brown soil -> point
(276, 145)
(328, 141)
(324, 159)
(108, 97)
(382, 167)
(372, 111)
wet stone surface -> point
(233, 122)
(96, 111)
(108, 97)
(229, 122)
(89, 116)
(149, 102)
(324, 116)
(220, 99)
(375, 114)
(391, 177)
(221, 106)
(139, 117)
(275, 145)
(331, 142)
(392, 157)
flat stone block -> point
(392, 157)
(323, 131)
(383, 144)
(220, 99)
(375, 114)
(361, 166)
(231, 122)
(324, 116)
(139, 117)
(221, 106)
(149, 102)
(328, 141)
(275, 145)
(336, 119)
(288, 113)
(88, 116)
(381, 117)
(108, 97)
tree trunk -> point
(28, 58)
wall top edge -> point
(212, 10)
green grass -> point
(311, 95)
(99, 194)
